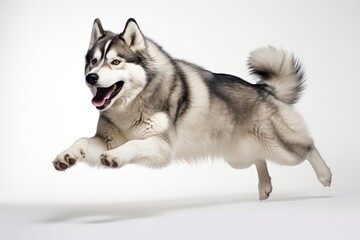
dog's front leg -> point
(152, 152)
(87, 149)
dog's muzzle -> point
(104, 96)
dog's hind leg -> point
(294, 154)
(321, 169)
(264, 186)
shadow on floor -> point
(114, 212)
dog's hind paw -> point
(264, 191)
(325, 177)
(68, 158)
(326, 181)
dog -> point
(155, 108)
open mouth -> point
(104, 95)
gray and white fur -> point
(154, 109)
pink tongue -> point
(101, 96)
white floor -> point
(310, 216)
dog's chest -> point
(142, 126)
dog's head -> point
(113, 69)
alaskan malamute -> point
(154, 108)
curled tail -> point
(278, 70)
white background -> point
(45, 105)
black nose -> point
(92, 78)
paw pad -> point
(60, 166)
(82, 152)
(106, 162)
(69, 160)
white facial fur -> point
(133, 85)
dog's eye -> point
(94, 61)
(115, 62)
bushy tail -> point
(280, 71)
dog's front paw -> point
(108, 159)
(68, 158)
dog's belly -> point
(240, 150)
(194, 143)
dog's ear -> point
(133, 36)
(96, 32)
